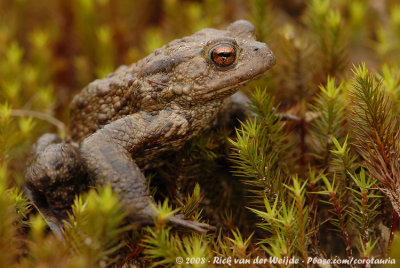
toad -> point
(125, 123)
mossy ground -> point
(315, 173)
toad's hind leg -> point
(53, 177)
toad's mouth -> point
(229, 90)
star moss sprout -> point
(376, 132)
(261, 148)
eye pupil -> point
(223, 55)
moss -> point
(314, 171)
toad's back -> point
(103, 101)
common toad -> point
(124, 123)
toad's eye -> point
(223, 55)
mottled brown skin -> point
(128, 120)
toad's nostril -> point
(256, 49)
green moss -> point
(313, 171)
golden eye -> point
(223, 55)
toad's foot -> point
(53, 178)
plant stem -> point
(339, 214)
(395, 221)
(303, 130)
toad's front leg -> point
(108, 157)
